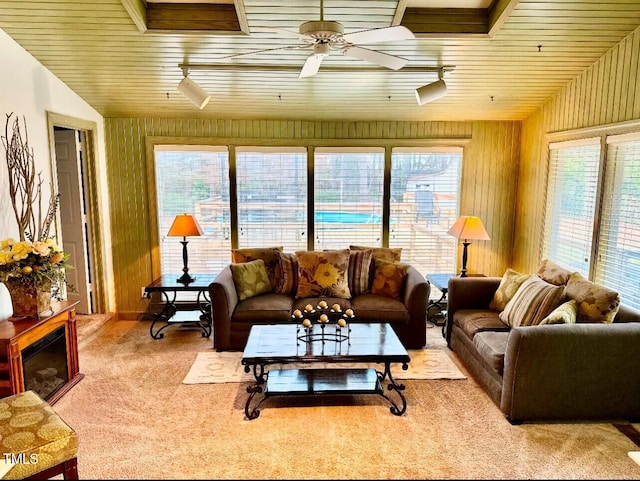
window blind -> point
(193, 180)
(571, 203)
(618, 265)
(272, 197)
(348, 197)
(425, 187)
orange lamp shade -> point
(185, 225)
(468, 227)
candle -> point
(306, 323)
(322, 304)
(297, 313)
(324, 318)
(349, 312)
(336, 307)
(342, 322)
(308, 308)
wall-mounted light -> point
(193, 91)
(433, 91)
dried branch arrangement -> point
(25, 191)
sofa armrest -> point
(469, 293)
(416, 296)
(572, 371)
(224, 300)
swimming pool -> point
(340, 217)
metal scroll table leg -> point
(261, 377)
(205, 306)
(396, 409)
(168, 311)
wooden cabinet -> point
(21, 340)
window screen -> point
(348, 197)
(272, 197)
(425, 187)
(571, 203)
(193, 180)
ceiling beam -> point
(137, 10)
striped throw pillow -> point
(359, 267)
(287, 274)
(534, 300)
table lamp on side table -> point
(467, 228)
(185, 225)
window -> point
(348, 197)
(424, 204)
(618, 265)
(193, 180)
(272, 197)
(571, 203)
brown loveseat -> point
(233, 318)
(577, 371)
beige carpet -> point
(214, 367)
(136, 420)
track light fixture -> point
(193, 91)
(433, 91)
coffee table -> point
(285, 344)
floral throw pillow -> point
(553, 273)
(565, 313)
(509, 284)
(596, 303)
(389, 279)
(268, 254)
(323, 274)
(250, 278)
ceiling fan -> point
(327, 35)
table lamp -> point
(185, 225)
(467, 228)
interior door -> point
(73, 216)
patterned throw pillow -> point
(596, 303)
(552, 273)
(288, 274)
(563, 314)
(359, 267)
(250, 278)
(268, 254)
(509, 284)
(323, 274)
(389, 279)
(533, 301)
(391, 254)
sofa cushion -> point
(268, 254)
(533, 301)
(491, 346)
(287, 273)
(264, 309)
(472, 321)
(509, 284)
(323, 273)
(596, 303)
(552, 273)
(250, 278)
(359, 267)
(565, 313)
(374, 308)
(389, 279)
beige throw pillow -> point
(565, 313)
(389, 279)
(552, 273)
(250, 278)
(532, 302)
(323, 274)
(596, 303)
(509, 284)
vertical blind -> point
(348, 197)
(193, 180)
(618, 265)
(272, 197)
(571, 203)
(425, 187)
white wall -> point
(30, 90)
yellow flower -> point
(326, 275)
(21, 250)
(6, 243)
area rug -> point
(219, 367)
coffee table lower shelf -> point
(302, 382)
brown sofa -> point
(232, 319)
(565, 372)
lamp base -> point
(185, 278)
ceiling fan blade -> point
(384, 34)
(379, 58)
(254, 52)
(282, 31)
(311, 65)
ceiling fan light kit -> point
(196, 94)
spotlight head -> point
(430, 92)
(194, 92)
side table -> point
(174, 313)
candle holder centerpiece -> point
(323, 323)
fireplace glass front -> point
(44, 364)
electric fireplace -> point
(44, 364)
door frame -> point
(90, 187)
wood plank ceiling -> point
(106, 52)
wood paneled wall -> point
(606, 93)
(490, 168)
